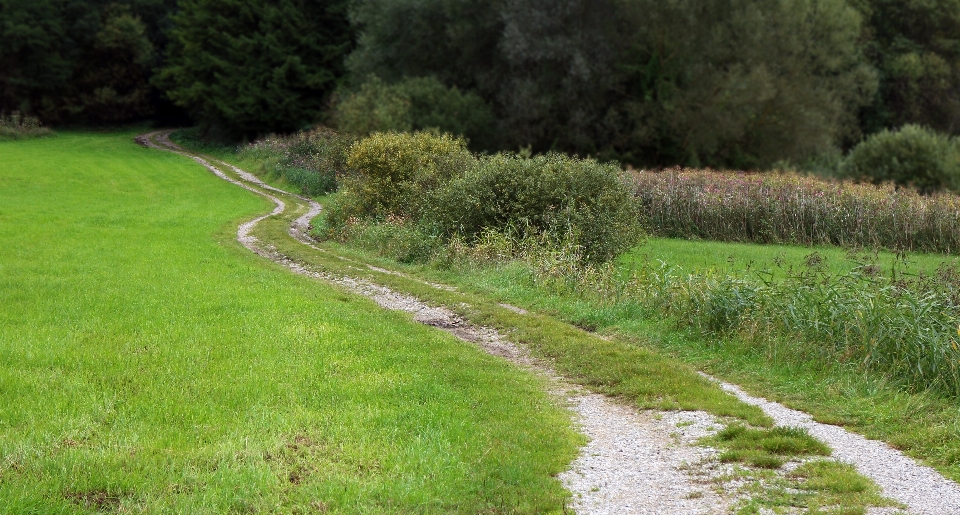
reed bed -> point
(795, 209)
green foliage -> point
(376, 107)
(21, 127)
(741, 83)
(81, 60)
(269, 67)
(544, 67)
(416, 104)
(790, 208)
(396, 174)
(564, 198)
(733, 83)
(311, 160)
(912, 156)
(916, 47)
(113, 79)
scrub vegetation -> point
(15, 127)
(796, 209)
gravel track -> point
(634, 463)
(924, 490)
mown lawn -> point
(148, 363)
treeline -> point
(88, 61)
(724, 83)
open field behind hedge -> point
(149, 364)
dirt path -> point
(636, 462)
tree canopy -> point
(725, 83)
(243, 67)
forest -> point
(730, 84)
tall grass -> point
(791, 208)
(15, 126)
(311, 160)
(896, 322)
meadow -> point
(150, 364)
(698, 256)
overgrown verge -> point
(424, 197)
(796, 209)
(16, 127)
(898, 323)
(311, 160)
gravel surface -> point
(642, 463)
(635, 463)
(924, 490)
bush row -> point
(432, 182)
(790, 208)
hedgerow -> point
(433, 183)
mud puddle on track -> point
(635, 462)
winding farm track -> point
(636, 462)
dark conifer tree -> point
(247, 67)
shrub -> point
(376, 107)
(912, 156)
(419, 103)
(21, 127)
(311, 160)
(577, 200)
(395, 174)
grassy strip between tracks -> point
(150, 364)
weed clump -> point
(312, 160)
(15, 127)
(767, 448)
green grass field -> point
(149, 364)
(697, 255)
